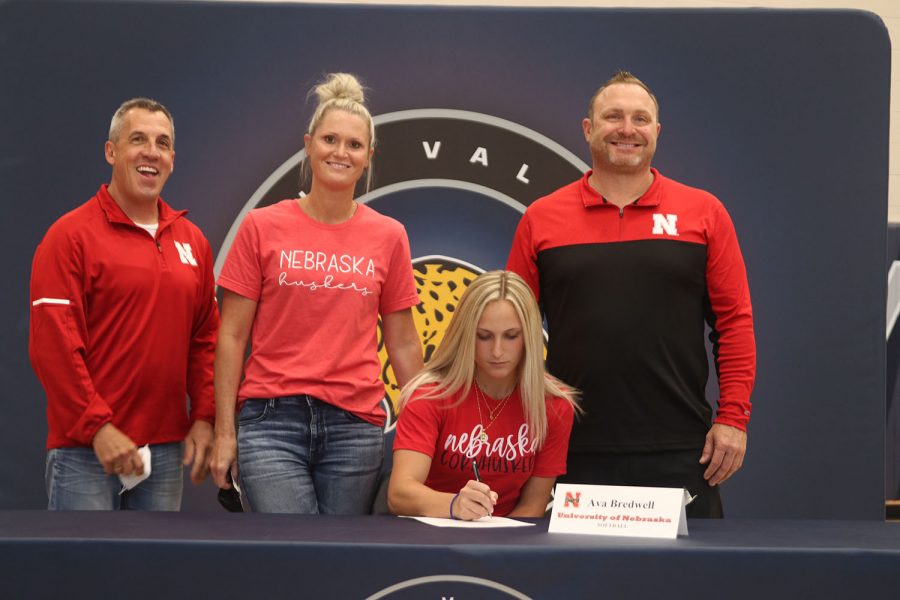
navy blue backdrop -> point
(782, 114)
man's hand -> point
(197, 447)
(724, 451)
(116, 452)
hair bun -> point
(339, 86)
(343, 92)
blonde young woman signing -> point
(484, 398)
(308, 278)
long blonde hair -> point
(452, 367)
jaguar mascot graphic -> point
(440, 282)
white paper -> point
(482, 523)
(129, 481)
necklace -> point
(492, 414)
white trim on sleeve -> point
(40, 301)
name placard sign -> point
(619, 510)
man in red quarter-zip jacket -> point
(123, 330)
(629, 266)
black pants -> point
(677, 468)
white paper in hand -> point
(129, 481)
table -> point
(215, 556)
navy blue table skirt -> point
(156, 555)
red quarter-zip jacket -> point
(627, 293)
(123, 326)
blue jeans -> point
(76, 481)
(298, 454)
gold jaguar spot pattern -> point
(440, 282)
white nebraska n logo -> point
(186, 254)
(664, 224)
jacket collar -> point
(115, 214)
(652, 197)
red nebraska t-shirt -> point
(319, 289)
(450, 435)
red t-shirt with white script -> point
(319, 289)
(450, 435)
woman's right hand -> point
(475, 500)
(223, 460)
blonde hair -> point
(340, 91)
(452, 367)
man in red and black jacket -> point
(123, 330)
(628, 266)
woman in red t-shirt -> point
(483, 429)
(305, 282)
